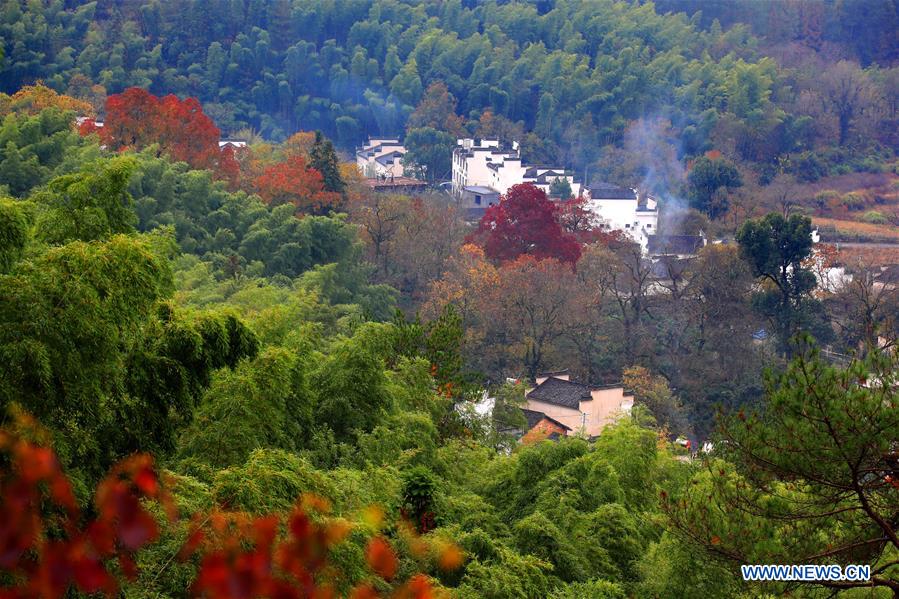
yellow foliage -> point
(32, 99)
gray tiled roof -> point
(561, 393)
(674, 244)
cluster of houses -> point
(484, 169)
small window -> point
(477, 200)
(627, 226)
(649, 226)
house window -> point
(627, 226)
(477, 200)
(649, 226)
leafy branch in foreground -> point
(48, 546)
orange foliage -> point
(294, 182)
(299, 144)
(238, 556)
(32, 99)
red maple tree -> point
(137, 119)
(293, 181)
(525, 222)
(228, 168)
(36, 497)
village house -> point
(234, 144)
(675, 246)
(381, 158)
(484, 169)
(621, 209)
(561, 406)
(540, 426)
(486, 163)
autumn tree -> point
(535, 298)
(295, 182)
(514, 314)
(136, 119)
(496, 126)
(654, 392)
(847, 93)
(525, 223)
(32, 99)
(437, 110)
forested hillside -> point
(242, 372)
(575, 74)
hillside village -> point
(399, 299)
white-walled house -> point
(235, 144)
(620, 208)
(381, 157)
(487, 163)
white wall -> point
(369, 164)
(473, 169)
(623, 215)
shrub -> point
(826, 197)
(853, 201)
(875, 218)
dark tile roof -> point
(610, 191)
(560, 392)
(674, 244)
(534, 417)
(889, 274)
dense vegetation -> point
(235, 316)
(566, 78)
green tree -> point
(429, 153)
(775, 247)
(709, 181)
(560, 188)
(87, 205)
(14, 232)
(323, 158)
(812, 479)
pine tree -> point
(324, 160)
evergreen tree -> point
(323, 158)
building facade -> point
(381, 158)
(487, 163)
(581, 408)
(621, 209)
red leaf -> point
(380, 558)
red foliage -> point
(75, 555)
(136, 119)
(229, 168)
(239, 557)
(88, 127)
(294, 182)
(525, 222)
